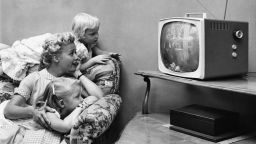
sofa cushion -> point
(95, 119)
(106, 76)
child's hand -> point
(88, 101)
(100, 59)
(115, 55)
(39, 116)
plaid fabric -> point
(10, 133)
(41, 136)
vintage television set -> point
(201, 48)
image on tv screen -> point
(179, 46)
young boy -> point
(85, 28)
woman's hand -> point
(39, 116)
(77, 73)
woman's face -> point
(68, 60)
(91, 36)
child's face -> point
(91, 36)
(70, 102)
(68, 60)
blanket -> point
(22, 55)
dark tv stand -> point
(244, 84)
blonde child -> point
(64, 95)
(85, 28)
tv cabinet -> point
(244, 84)
(149, 127)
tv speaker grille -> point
(219, 25)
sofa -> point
(107, 77)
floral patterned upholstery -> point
(106, 76)
(98, 117)
(94, 120)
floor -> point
(251, 140)
(154, 129)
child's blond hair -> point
(56, 91)
(83, 21)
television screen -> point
(179, 46)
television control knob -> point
(234, 54)
(234, 46)
(239, 34)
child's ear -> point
(61, 103)
(56, 59)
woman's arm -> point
(64, 126)
(87, 64)
(17, 108)
(90, 86)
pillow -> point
(106, 76)
(96, 119)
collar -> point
(47, 75)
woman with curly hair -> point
(58, 59)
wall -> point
(130, 28)
(0, 22)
